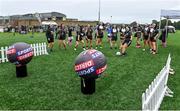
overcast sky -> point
(122, 11)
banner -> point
(170, 14)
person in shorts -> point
(89, 35)
(138, 36)
(50, 38)
(70, 36)
(145, 34)
(100, 36)
(114, 37)
(79, 37)
(127, 42)
(153, 35)
(109, 33)
(62, 36)
(122, 33)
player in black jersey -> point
(50, 38)
(153, 35)
(138, 36)
(79, 37)
(89, 35)
(145, 34)
(100, 36)
(62, 36)
(70, 36)
(127, 42)
(114, 37)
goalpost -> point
(168, 14)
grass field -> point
(53, 84)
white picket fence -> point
(153, 96)
(39, 49)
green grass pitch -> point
(53, 84)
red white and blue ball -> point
(90, 64)
(20, 53)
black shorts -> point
(89, 37)
(145, 37)
(51, 40)
(127, 41)
(79, 39)
(152, 39)
(100, 36)
(62, 38)
(114, 38)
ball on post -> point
(20, 54)
(89, 65)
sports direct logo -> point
(25, 56)
(101, 70)
(11, 51)
(84, 65)
(24, 51)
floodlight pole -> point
(157, 39)
(99, 13)
(167, 20)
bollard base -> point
(88, 86)
(21, 71)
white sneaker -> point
(75, 49)
(144, 49)
(84, 48)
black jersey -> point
(128, 35)
(70, 32)
(145, 32)
(89, 32)
(114, 32)
(122, 31)
(62, 34)
(153, 32)
(49, 34)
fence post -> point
(34, 47)
(40, 49)
(37, 47)
(45, 47)
(2, 54)
(42, 46)
(6, 49)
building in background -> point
(30, 20)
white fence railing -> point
(39, 49)
(153, 96)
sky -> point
(115, 11)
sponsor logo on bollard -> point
(86, 71)
(101, 70)
(96, 54)
(11, 51)
(84, 65)
(24, 51)
(25, 56)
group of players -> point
(149, 34)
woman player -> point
(138, 36)
(79, 37)
(89, 34)
(100, 35)
(62, 36)
(127, 42)
(109, 33)
(122, 33)
(114, 37)
(145, 33)
(154, 33)
(70, 36)
(50, 38)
